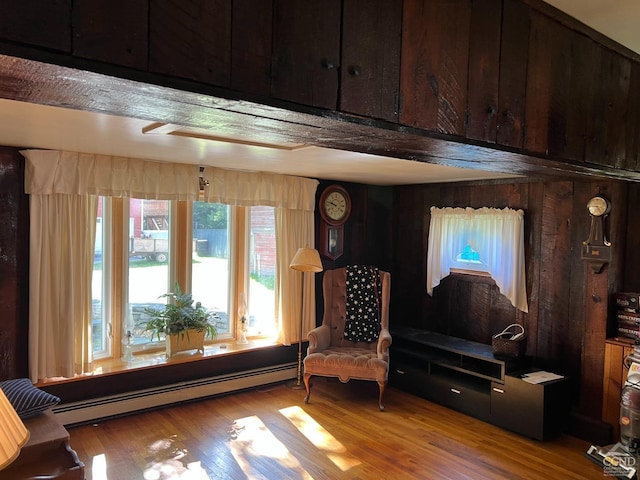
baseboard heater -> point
(86, 411)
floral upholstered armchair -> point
(353, 340)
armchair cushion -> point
(347, 363)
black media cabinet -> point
(465, 376)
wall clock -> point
(596, 250)
(598, 206)
(335, 208)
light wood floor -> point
(270, 433)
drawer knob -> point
(327, 65)
(498, 390)
(456, 391)
(354, 70)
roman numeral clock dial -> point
(335, 207)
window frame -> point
(115, 264)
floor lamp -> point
(305, 260)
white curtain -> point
(295, 229)
(498, 237)
(64, 187)
(60, 267)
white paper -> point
(540, 377)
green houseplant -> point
(184, 324)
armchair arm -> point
(319, 339)
(384, 342)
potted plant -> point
(184, 324)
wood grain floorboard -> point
(270, 433)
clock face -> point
(598, 206)
(335, 206)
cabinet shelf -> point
(465, 376)
(471, 358)
(458, 362)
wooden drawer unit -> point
(538, 411)
(462, 394)
(47, 454)
(615, 374)
(410, 378)
(465, 376)
(450, 371)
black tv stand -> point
(467, 377)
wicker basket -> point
(510, 342)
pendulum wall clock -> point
(335, 208)
(596, 250)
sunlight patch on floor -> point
(174, 469)
(99, 467)
(171, 467)
(253, 445)
(319, 437)
(168, 464)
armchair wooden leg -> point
(307, 386)
(382, 386)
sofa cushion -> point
(27, 399)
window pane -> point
(210, 269)
(99, 324)
(148, 265)
(262, 265)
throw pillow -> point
(27, 399)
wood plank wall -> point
(14, 266)
(576, 92)
(569, 304)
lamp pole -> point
(305, 260)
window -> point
(147, 259)
(99, 317)
(210, 271)
(468, 255)
(261, 302)
(84, 292)
(468, 261)
(479, 240)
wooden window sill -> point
(158, 357)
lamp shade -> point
(306, 260)
(13, 433)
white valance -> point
(233, 187)
(72, 173)
(496, 235)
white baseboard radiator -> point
(86, 411)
